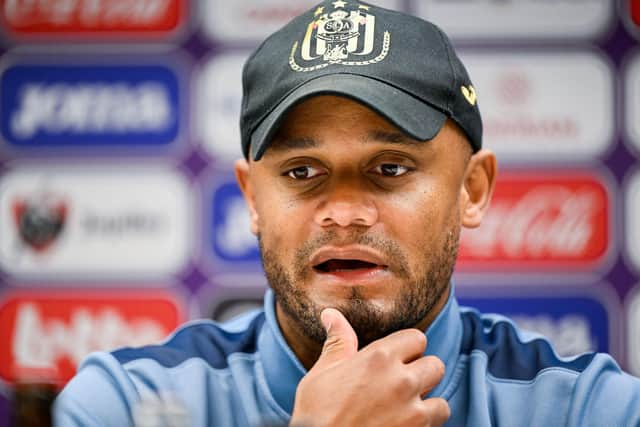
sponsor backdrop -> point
(120, 217)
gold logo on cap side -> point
(469, 94)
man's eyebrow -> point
(284, 143)
(390, 137)
(280, 143)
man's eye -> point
(303, 172)
(391, 169)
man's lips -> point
(347, 259)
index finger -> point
(406, 344)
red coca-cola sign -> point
(100, 18)
(634, 6)
(49, 333)
(541, 220)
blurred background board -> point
(119, 213)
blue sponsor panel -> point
(231, 239)
(57, 105)
(574, 324)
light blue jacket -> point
(243, 373)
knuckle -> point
(333, 345)
(436, 366)
(421, 413)
(378, 358)
(419, 336)
(416, 336)
(439, 411)
(418, 415)
(406, 384)
(331, 342)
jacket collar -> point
(283, 371)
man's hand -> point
(381, 385)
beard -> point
(416, 298)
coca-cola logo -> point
(40, 220)
(53, 333)
(556, 220)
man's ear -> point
(479, 181)
(244, 182)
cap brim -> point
(416, 118)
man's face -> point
(353, 214)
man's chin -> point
(370, 319)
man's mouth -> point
(359, 263)
(344, 265)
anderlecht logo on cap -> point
(345, 34)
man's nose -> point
(345, 206)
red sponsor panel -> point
(129, 18)
(50, 332)
(634, 6)
(552, 220)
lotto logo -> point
(54, 330)
(87, 105)
(94, 18)
(536, 222)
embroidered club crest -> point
(341, 36)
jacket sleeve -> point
(604, 395)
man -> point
(363, 145)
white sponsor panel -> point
(633, 334)
(632, 101)
(632, 223)
(544, 106)
(219, 95)
(518, 19)
(112, 222)
(254, 20)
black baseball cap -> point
(400, 66)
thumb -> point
(341, 342)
